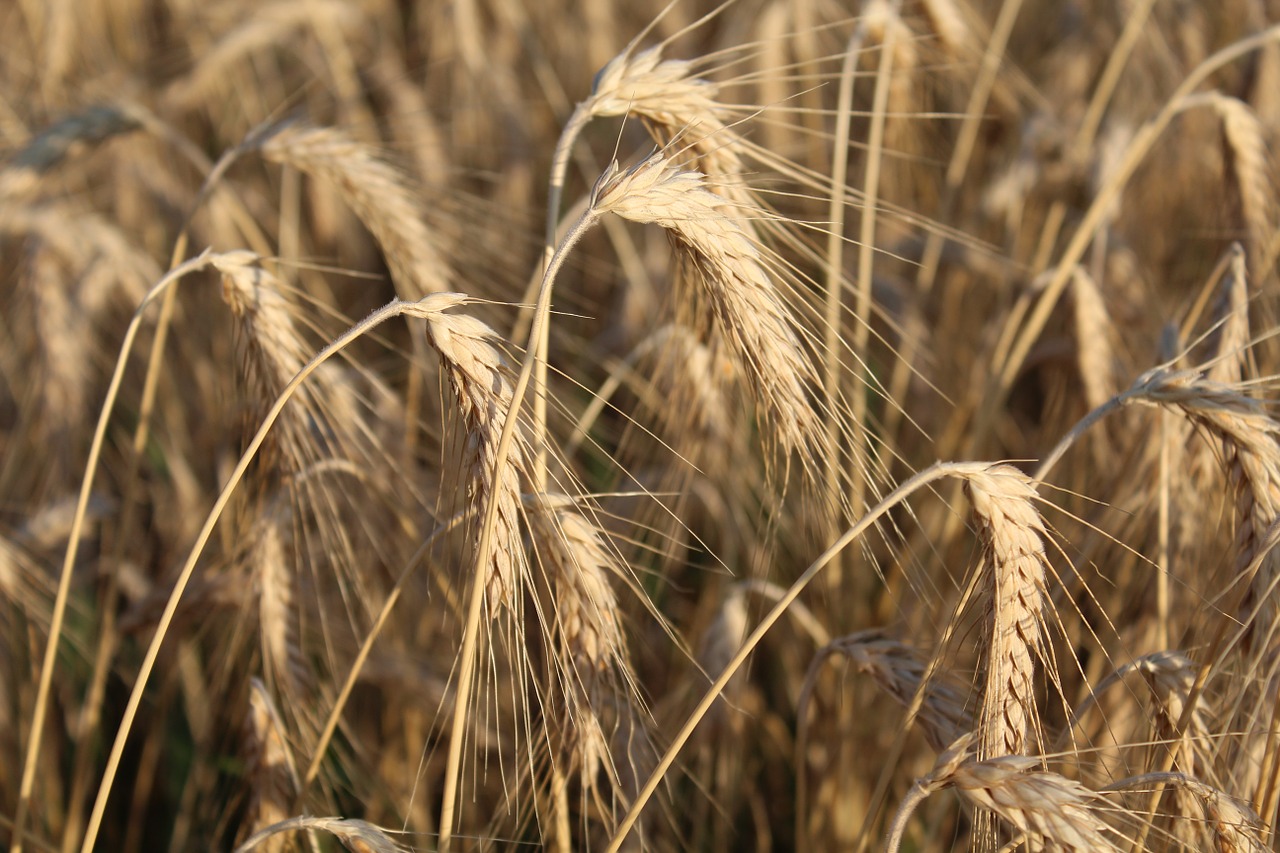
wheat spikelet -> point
(1037, 803)
(1011, 531)
(1095, 338)
(899, 669)
(272, 565)
(481, 383)
(94, 249)
(1231, 825)
(735, 274)
(1230, 361)
(380, 195)
(594, 671)
(1169, 676)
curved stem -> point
(936, 472)
(471, 631)
(1144, 140)
(914, 797)
(73, 545)
(392, 309)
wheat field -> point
(773, 425)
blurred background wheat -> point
(508, 425)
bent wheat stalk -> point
(918, 481)
(429, 309)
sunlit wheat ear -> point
(271, 778)
(1012, 535)
(1041, 807)
(379, 194)
(899, 669)
(481, 381)
(735, 278)
(673, 101)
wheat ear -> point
(481, 383)
(735, 276)
(1011, 530)
(381, 196)
(1041, 806)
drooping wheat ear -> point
(271, 559)
(1232, 825)
(56, 142)
(379, 194)
(1043, 807)
(1012, 534)
(899, 669)
(272, 350)
(673, 101)
(1170, 676)
(64, 345)
(95, 249)
(736, 277)
(272, 779)
(257, 301)
(1252, 458)
(594, 669)
(1250, 159)
(357, 836)
(1039, 804)
(480, 378)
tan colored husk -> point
(379, 194)
(480, 378)
(736, 276)
(674, 102)
(1012, 534)
(1252, 459)
(1041, 806)
(899, 668)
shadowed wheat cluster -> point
(777, 425)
